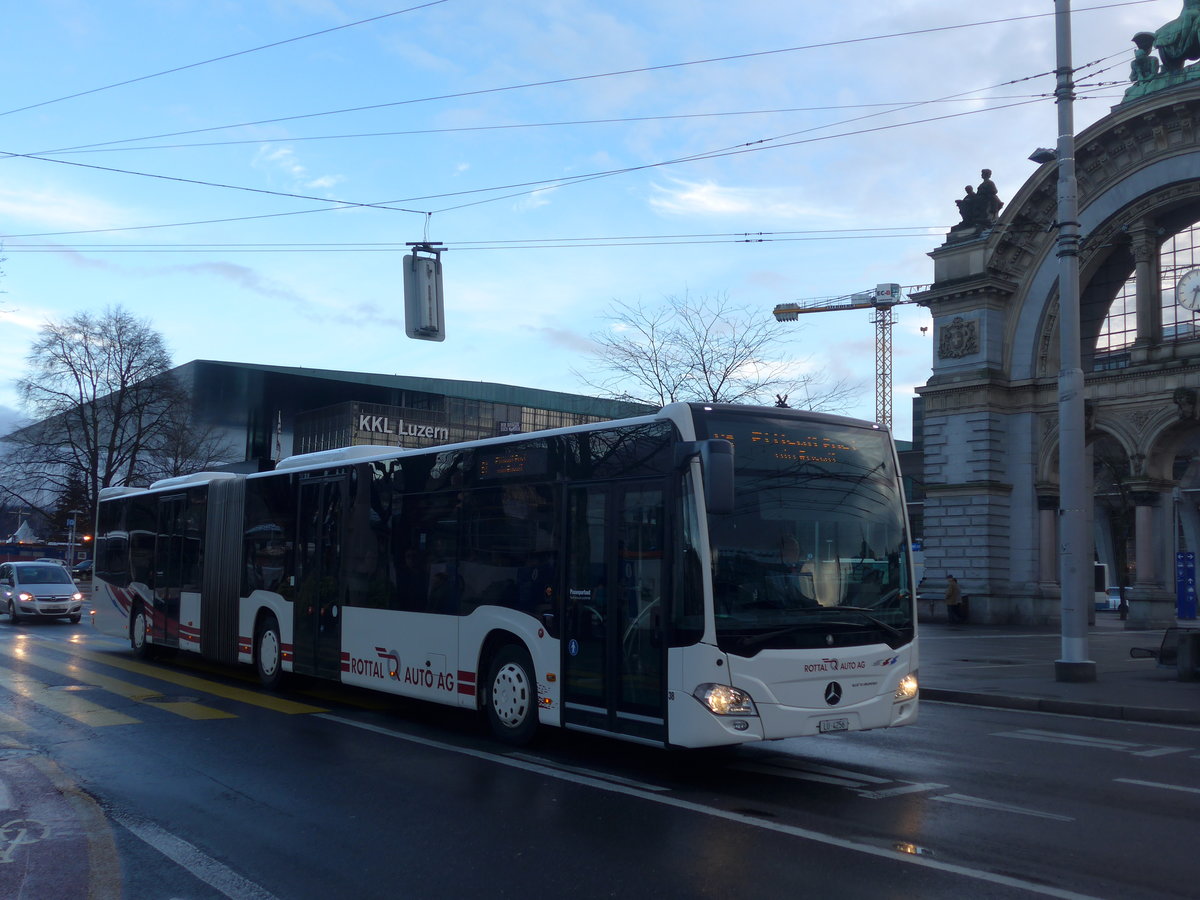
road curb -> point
(1153, 715)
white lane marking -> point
(797, 775)
(980, 803)
(1156, 784)
(855, 781)
(728, 815)
(1027, 713)
(615, 779)
(832, 770)
(6, 797)
(1079, 740)
(199, 864)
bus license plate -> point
(827, 726)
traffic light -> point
(424, 316)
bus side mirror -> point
(716, 464)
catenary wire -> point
(223, 58)
(534, 186)
(589, 77)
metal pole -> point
(1075, 563)
(71, 541)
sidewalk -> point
(1012, 667)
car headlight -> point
(725, 700)
(907, 688)
(77, 596)
(26, 597)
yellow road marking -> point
(136, 692)
(266, 701)
(10, 725)
(65, 702)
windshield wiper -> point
(754, 641)
(895, 637)
(896, 633)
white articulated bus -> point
(707, 575)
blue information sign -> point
(1185, 585)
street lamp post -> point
(1075, 560)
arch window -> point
(1177, 255)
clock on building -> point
(1187, 290)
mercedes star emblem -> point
(833, 693)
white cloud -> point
(60, 209)
(536, 199)
(707, 198)
(283, 160)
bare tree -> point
(703, 349)
(180, 447)
(104, 407)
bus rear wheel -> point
(139, 634)
(511, 699)
(268, 655)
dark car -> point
(37, 590)
(82, 569)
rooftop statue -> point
(1179, 40)
(1144, 66)
(978, 208)
(1176, 43)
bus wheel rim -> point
(510, 695)
(268, 652)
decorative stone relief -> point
(1140, 418)
(1186, 400)
(958, 338)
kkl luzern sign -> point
(387, 425)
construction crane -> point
(882, 299)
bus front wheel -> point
(511, 700)
(268, 658)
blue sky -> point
(235, 201)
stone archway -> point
(991, 412)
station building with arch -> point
(990, 407)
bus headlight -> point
(724, 700)
(907, 688)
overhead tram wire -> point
(759, 237)
(232, 187)
(747, 147)
(530, 187)
(223, 58)
(594, 76)
(527, 187)
(891, 106)
(736, 150)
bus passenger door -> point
(168, 569)
(317, 644)
(613, 648)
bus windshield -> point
(815, 552)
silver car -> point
(39, 590)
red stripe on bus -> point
(468, 689)
(468, 677)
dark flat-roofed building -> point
(268, 412)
